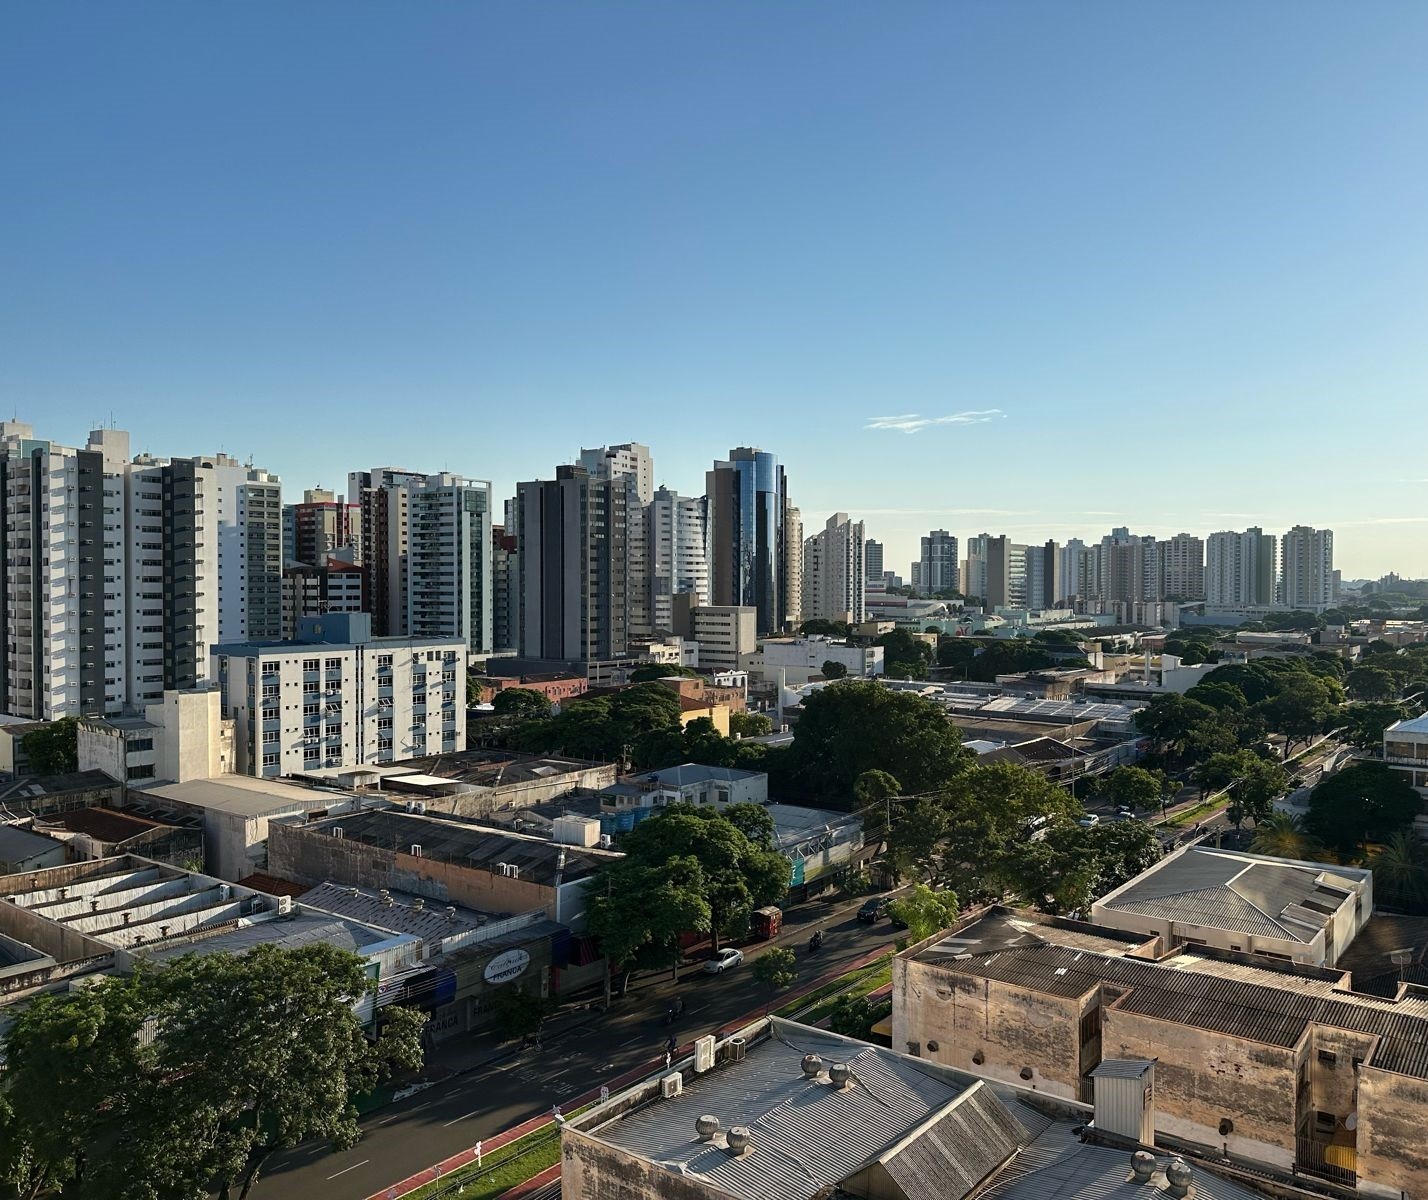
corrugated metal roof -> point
(1210, 908)
(805, 1135)
(948, 1158)
(1121, 1068)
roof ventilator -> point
(707, 1127)
(812, 1066)
(1142, 1166)
(738, 1140)
(840, 1075)
(1178, 1178)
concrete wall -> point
(593, 1170)
(196, 742)
(1013, 1029)
(312, 857)
(100, 747)
(1392, 1149)
(1202, 1077)
(482, 802)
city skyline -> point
(1171, 265)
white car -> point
(1089, 821)
(725, 960)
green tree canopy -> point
(776, 968)
(651, 671)
(249, 1055)
(750, 724)
(54, 748)
(818, 627)
(1365, 723)
(1134, 788)
(1364, 803)
(522, 703)
(1371, 683)
(924, 911)
(834, 670)
(519, 1013)
(638, 908)
(1256, 783)
(1071, 866)
(955, 651)
(1283, 835)
(605, 728)
(1400, 873)
(859, 725)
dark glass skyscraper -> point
(747, 562)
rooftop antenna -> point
(1400, 959)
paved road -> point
(404, 1138)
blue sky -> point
(1173, 256)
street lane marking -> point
(353, 1167)
(474, 1113)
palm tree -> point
(1401, 870)
(1282, 835)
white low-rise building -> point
(794, 662)
(339, 697)
(1405, 749)
(180, 737)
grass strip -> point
(500, 1170)
(818, 1003)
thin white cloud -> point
(914, 423)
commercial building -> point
(997, 568)
(939, 567)
(1240, 569)
(780, 1111)
(748, 535)
(677, 539)
(14, 761)
(110, 589)
(449, 584)
(725, 634)
(337, 696)
(797, 661)
(1271, 1063)
(1246, 903)
(321, 527)
(441, 859)
(1405, 749)
(834, 573)
(182, 736)
(1306, 578)
(575, 567)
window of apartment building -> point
(144, 772)
(384, 743)
(269, 668)
(1328, 1056)
(270, 691)
(139, 744)
(449, 656)
(384, 662)
(310, 688)
(384, 722)
(310, 664)
(310, 754)
(271, 735)
(311, 709)
(334, 664)
(270, 760)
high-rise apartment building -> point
(792, 566)
(572, 533)
(381, 498)
(315, 591)
(250, 549)
(629, 466)
(834, 572)
(1043, 576)
(629, 460)
(998, 565)
(449, 560)
(748, 496)
(505, 576)
(320, 527)
(873, 560)
(1306, 568)
(676, 540)
(941, 568)
(1240, 568)
(110, 589)
(1080, 571)
(1130, 569)
(974, 568)
(1182, 567)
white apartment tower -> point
(250, 549)
(834, 572)
(677, 537)
(1240, 568)
(1306, 572)
(629, 460)
(792, 567)
(111, 575)
(449, 574)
